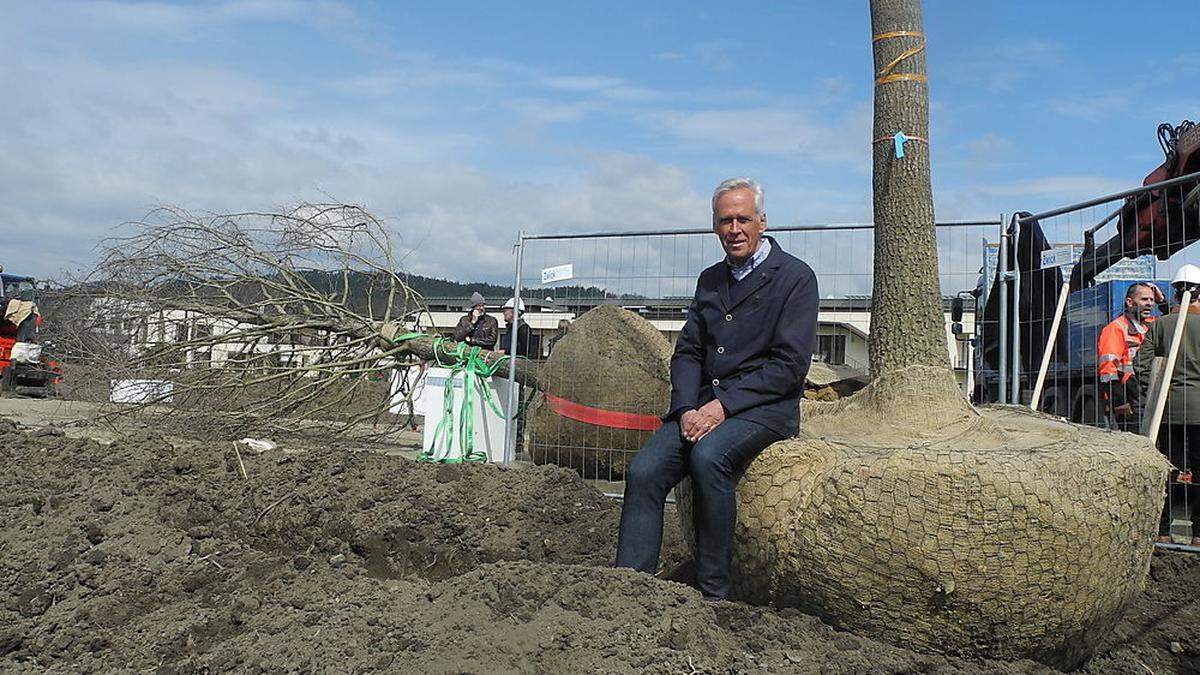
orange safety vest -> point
(1118, 342)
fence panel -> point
(1103, 250)
(581, 422)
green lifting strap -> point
(473, 368)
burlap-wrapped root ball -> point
(610, 361)
(1024, 537)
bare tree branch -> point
(263, 321)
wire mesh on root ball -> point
(994, 533)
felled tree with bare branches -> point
(259, 320)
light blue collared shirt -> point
(743, 269)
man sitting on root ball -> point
(736, 379)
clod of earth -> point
(1002, 534)
(610, 359)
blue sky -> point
(461, 123)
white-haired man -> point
(736, 379)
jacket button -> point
(720, 350)
(729, 317)
(716, 382)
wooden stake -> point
(1058, 314)
(241, 464)
(1164, 384)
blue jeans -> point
(714, 462)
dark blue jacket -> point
(748, 343)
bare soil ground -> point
(91, 419)
(156, 554)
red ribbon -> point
(602, 418)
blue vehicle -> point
(1072, 387)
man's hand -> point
(1122, 411)
(689, 425)
(1158, 294)
(696, 424)
(712, 414)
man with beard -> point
(1115, 350)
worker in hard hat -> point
(1115, 348)
(524, 334)
(478, 328)
(1179, 436)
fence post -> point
(1049, 351)
(1002, 323)
(514, 387)
(1016, 301)
(1164, 385)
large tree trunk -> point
(423, 348)
(907, 326)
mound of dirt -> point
(1160, 632)
(148, 556)
(612, 360)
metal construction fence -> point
(1026, 300)
(595, 413)
(1055, 327)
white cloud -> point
(538, 110)
(184, 20)
(1093, 106)
(411, 73)
(988, 146)
(1076, 187)
(715, 55)
(1003, 65)
(776, 131)
(88, 147)
(97, 139)
(608, 87)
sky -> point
(461, 123)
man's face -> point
(478, 309)
(508, 313)
(737, 223)
(1141, 302)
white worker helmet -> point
(521, 302)
(1188, 275)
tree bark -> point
(422, 348)
(907, 324)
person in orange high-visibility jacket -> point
(1115, 348)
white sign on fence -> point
(1057, 257)
(558, 273)
(1135, 269)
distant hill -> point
(433, 287)
(368, 293)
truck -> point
(39, 379)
